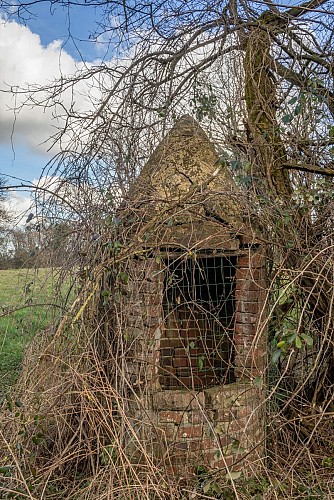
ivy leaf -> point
(287, 119)
(245, 180)
(258, 382)
(298, 342)
(236, 448)
(292, 338)
(158, 259)
(281, 344)
(293, 100)
(276, 355)
(215, 488)
(308, 339)
(124, 277)
(6, 469)
(234, 475)
(298, 109)
(235, 164)
(207, 487)
(219, 429)
(287, 218)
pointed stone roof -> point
(185, 184)
(185, 168)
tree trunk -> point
(261, 103)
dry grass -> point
(68, 433)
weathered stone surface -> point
(184, 161)
(178, 400)
(228, 396)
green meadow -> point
(29, 300)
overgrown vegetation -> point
(260, 77)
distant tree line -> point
(34, 246)
(37, 241)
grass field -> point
(26, 307)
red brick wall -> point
(188, 353)
(141, 320)
(194, 352)
(249, 335)
(218, 427)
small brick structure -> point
(193, 318)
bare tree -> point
(5, 218)
(260, 77)
(273, 117)
(165, 49)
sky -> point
(33, 54)
(36, 52)
(50, 43)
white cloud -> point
(19, 204)
(50, 183)
(25, 61)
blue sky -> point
(48, 44)
(20, 154)
(73, 26)
(33, 53)
(22, 162)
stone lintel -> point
(178, 400)
(229, 395)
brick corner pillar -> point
(250, 315)
(143, 319)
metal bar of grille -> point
(199, 306)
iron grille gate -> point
(199, 306)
